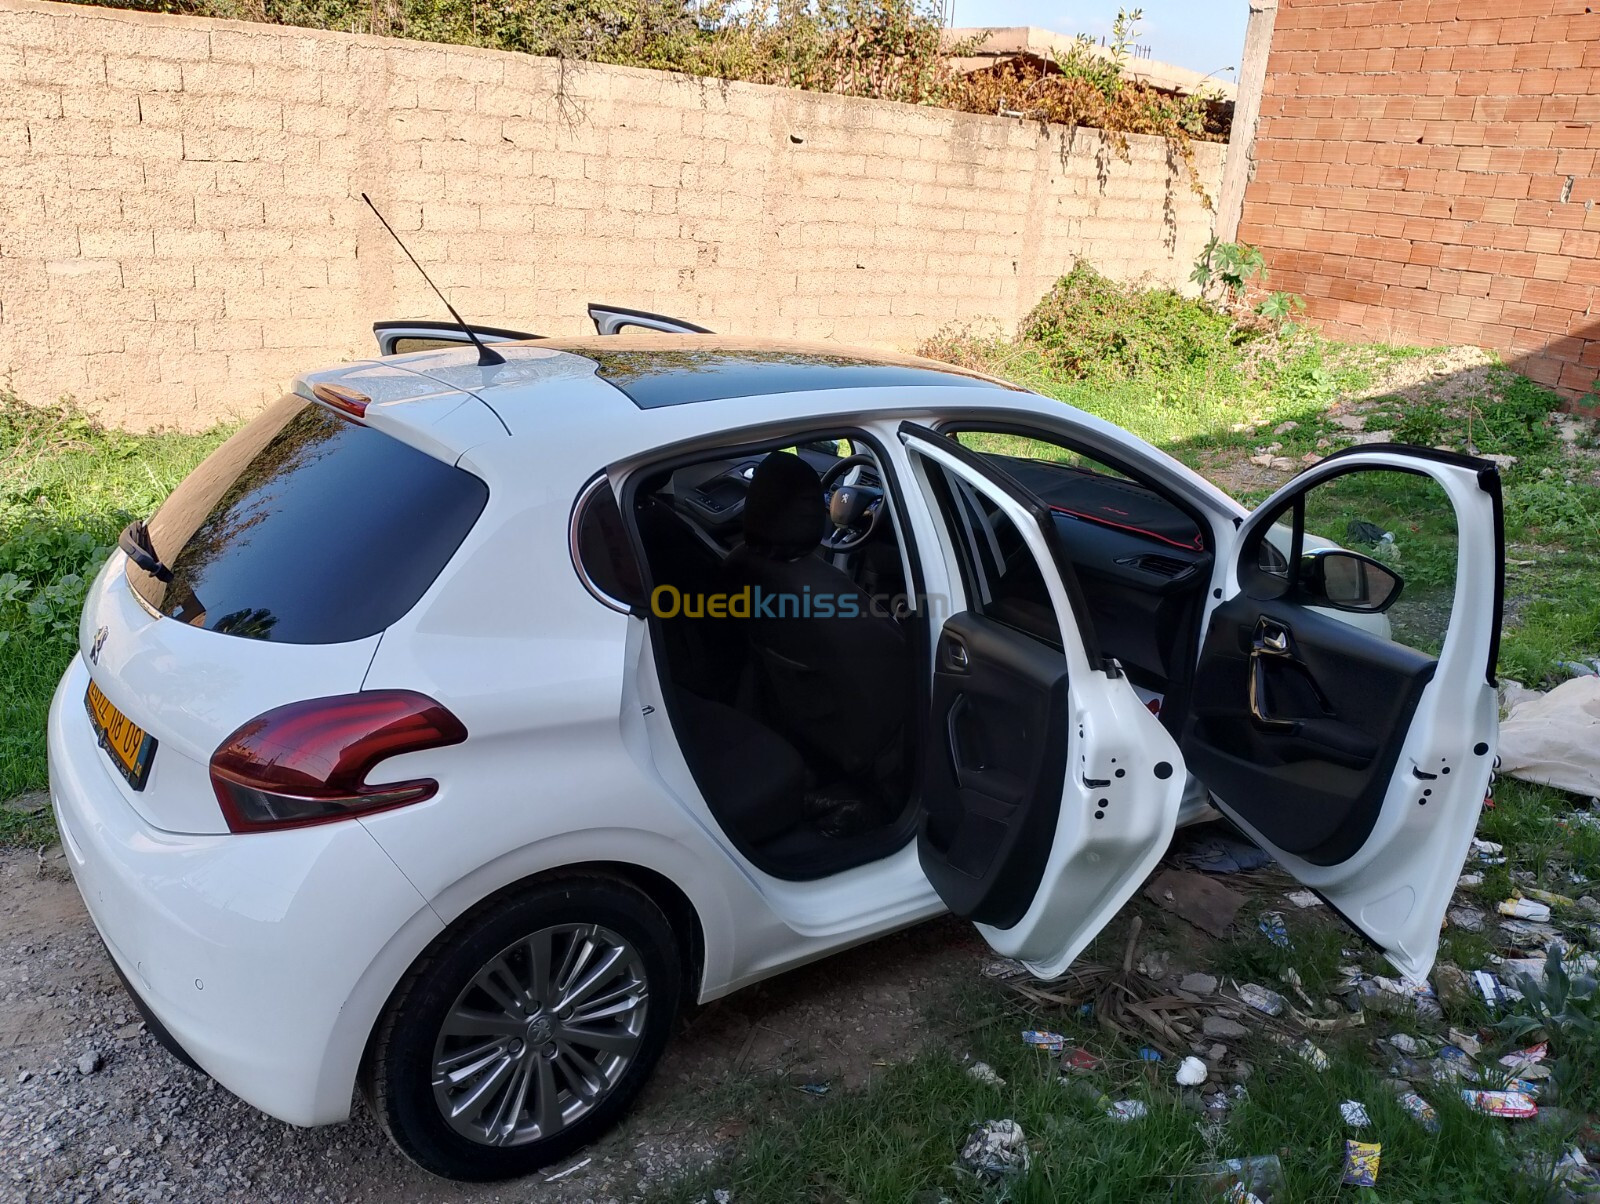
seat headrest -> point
(783, 511)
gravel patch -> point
(92, 1108)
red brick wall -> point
(1425, 173)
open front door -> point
(1344, 705)
(1048, 790)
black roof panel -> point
(669, 377)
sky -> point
(1205, 35)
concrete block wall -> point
(1426, 173)
(181, 229)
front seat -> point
(836, 686)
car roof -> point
(654, 370)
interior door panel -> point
(1000, 726)
(1302, 742)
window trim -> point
(580, 510)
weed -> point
(67, 488)
(1563, 1008)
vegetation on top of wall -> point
(879, 49)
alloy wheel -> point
(540, 1035)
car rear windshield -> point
(307, 528)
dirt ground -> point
(140, 1126)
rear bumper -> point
(265, 957)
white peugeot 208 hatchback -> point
(467, 714)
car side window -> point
(601, 551)
(1374, 541)
(1000, 576)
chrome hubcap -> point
(540, 1035)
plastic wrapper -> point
(1048, 1042)
(1421, 1111)
(1274, 928)
(1512, 1105)
(996, 1149)
(1261, 999)
(1525, 909)
(1354, 1113)
(1312, 1055)
(1361, 1163)
(1128, 1109)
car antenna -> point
(485, 356)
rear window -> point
(305, 528)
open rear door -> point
(1344, 704)
(1048, 790)
(400, 336)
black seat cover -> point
(752, 778)
(837, 686)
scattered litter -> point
(1361, 1163)
(1525, 909)
(816, 1088)
(1408, 1044)
(1465, 1041)
(1490, 987)
(1355, 1114)
(1519, 1060)
(1155, 965)
(1578, 1174)
(1004, 968)
(1148, 1053)
(578, 1166)
(1305, 898)
(1468, 881)
(1080, 1061)
(1222, 855)
(1258, 1178)
(984, 1073)
(1198, 984)
(1313, 1056)
(1509, 1104)
(1274, 929)
(1128, 1109)
(1487, 852)
(1240, 1194)
(1550, 897)
(1531, 933)
(1208, 905)
(996, 1149)
(1421, 1111)
(1261, 999)
(1452, 1064)
(1046, 1041)
(1468, 919)
(1400, 995)
(1192, 1072)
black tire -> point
(397, 1074)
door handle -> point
(1271, 642)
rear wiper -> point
(135, 541)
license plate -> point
(129, 746)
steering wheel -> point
(856, 511)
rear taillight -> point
(307, 762)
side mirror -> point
(1347, 581)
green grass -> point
(901, 1137)
(67, 487)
